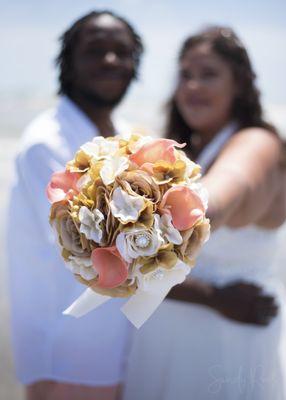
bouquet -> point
(130, 218)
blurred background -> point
(29, 34)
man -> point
(58, 357)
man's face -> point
(103, 63)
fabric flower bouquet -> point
(129, 216)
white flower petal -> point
(112, 167)
(81, 266)
(107, 148)
(85, 179)
(87, 273)
(122, 247)
(91, 149)
(100, 148)
(139, 242)
(169, 232)
(73, 267)
(161, 278)
(141, 142)
(91, 223)
(125, 207)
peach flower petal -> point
(157, 150)
(184, 206)
(111, 267)
(62, 185)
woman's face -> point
(206, 89)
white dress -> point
(187, 351)
(91, 350)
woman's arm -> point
(247, 182)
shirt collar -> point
(79, 128)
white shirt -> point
(47, 344)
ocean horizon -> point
(18, 109)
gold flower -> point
(193, 170)
(73, 242)
(97, 196)
(165, 258)
(146, 217)
(125, 146)
(80, 163)
(95, 168)
(193, 239)
(139, 183)
(166, 172)
(127, 289)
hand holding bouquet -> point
(130, 219)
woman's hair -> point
(246, 110)
(69, 39)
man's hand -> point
(245, 303)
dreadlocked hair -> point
(69, 39)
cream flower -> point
(91, 223)
(112, 167)
(83, 181)
(125, 207)
(169, 232)
(140, 142)
(139, 242)
(162, 278)
(100, 147)
(81, 266)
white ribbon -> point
(141, 305)
(85, 303)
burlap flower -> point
(193, 240)
(68, 232)
(139, 182)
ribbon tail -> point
(88, 301)
(143, 303)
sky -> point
(29, 32)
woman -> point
(225, 338)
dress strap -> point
(211, 150)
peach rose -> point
(184, 205)
(156, 150)
(62, 185)
(110, 266)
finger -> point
(253, 289)
(264, 316)
(265, 309)
(265, 300)
(249, 285)
(262, 320)
(270, 311)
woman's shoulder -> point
(254, 133)
(257, 142)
